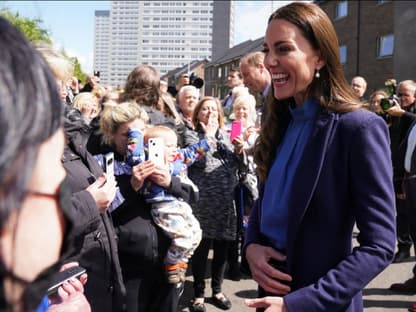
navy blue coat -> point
(344, 177)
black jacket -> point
(398, 134)
(142, 248)
(413, 157)
(104, 290)
(142, 244)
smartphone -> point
(62, 277)
(109, 164)
(236, 128)
(157, 151)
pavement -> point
(377, 297)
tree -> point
(77, 66)
(78, 71)
(31, 28)
(34, 32)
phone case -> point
(135, 148)
(109, 163)
(62, 277)
(156, 151)
(236, 128)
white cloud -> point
(85, 59)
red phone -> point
(236, 128)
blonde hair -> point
(158, 131)
(84, 98)
(99, 92)
(115, 115)
(253, 59)
(239, 91)
(250, 101)
(61, 67)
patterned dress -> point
(216, 177)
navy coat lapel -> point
(307, 175)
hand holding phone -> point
(62, 277)
(157, 151)
(109, 164)
(236, 128)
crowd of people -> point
(279, 171)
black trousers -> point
(152, 294)
(243, 202)
(406, 227)
(199, 265)
(404, 241)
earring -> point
(317, 74)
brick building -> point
(377, 39)
(216, 72)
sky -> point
(71, 23)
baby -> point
(172, 214)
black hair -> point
(30, 112)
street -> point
(377, 297)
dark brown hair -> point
(236, 70)
(142, 86)
(330, 89)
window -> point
(385, 45)
(341, 9)
(343, 54)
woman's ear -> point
(320, 62)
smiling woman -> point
(314, 157)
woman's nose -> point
(270, 60)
